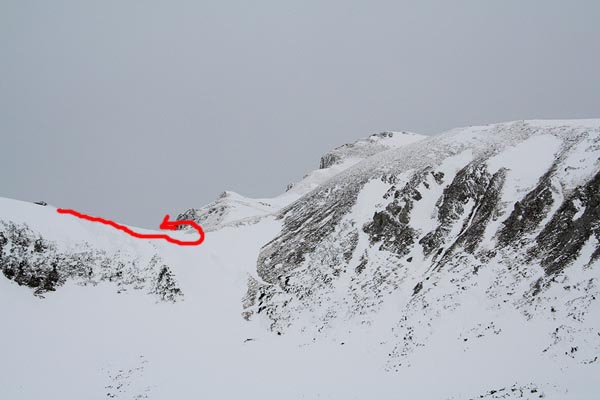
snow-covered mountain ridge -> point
(458, 266)
(232, 208)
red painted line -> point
(166, 224)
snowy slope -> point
(232, 208)
(459, 266)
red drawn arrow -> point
(166, 225)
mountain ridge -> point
(469, 259)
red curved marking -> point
(166, 224)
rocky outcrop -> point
(484, 210)
(30, 260)
(469, 184)
(391, 227)
(575, 222)
(529, 212)
(328, 160)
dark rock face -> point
(302, 232)
(484, 211)
(473, 182)
(576, 220)
(30, 260)
(417, 288)
(328, 160)
(528, 213)
(391, 226)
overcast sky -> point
(132, 109)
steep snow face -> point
(459, 266)
(232, 208)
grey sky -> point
(131, 109)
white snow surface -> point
(90, 342)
